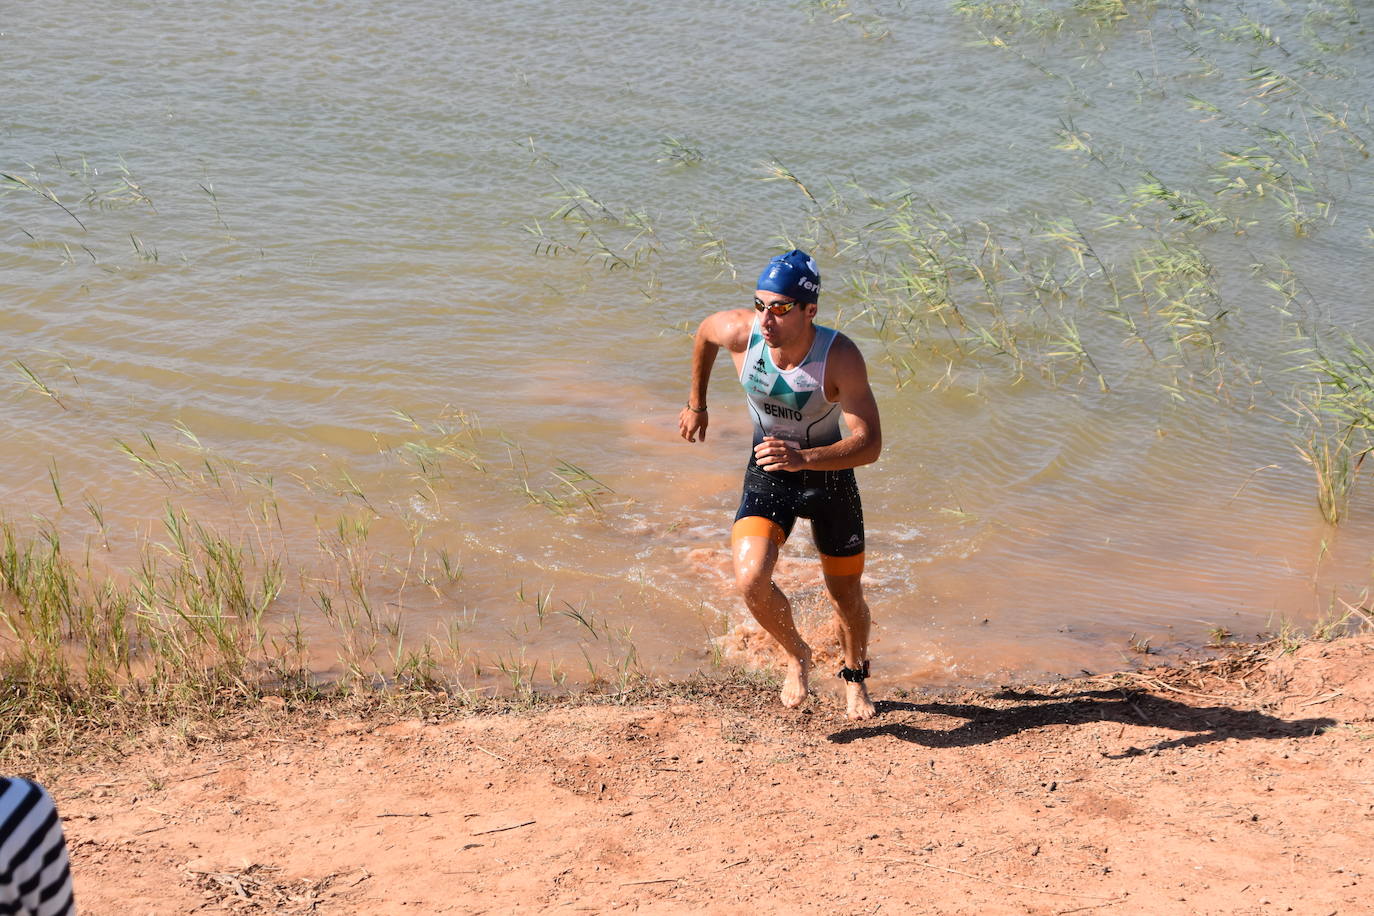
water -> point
(305, 219)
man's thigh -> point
(754, 543)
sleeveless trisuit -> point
(790, 404)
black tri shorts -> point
(829, 498)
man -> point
(800, 378)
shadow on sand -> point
(985, 724)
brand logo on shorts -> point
(854, 541)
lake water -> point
(400, 263)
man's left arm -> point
(845, 369)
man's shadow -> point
(985, 724)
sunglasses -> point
(775, 308)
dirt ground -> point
(1239, 785)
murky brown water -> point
(295, 223)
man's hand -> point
(774, 454)
(692, 423)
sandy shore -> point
(1242, 785)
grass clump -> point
(185, 631)
(1337, 420)
(203, 625)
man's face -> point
(780, 330)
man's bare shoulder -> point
(729, 328)
(846, 356)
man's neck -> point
(792, 355)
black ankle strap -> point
(854, 675)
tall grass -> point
(202, 620)
(1337, 419)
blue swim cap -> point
(793, 275)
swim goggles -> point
(776, 308)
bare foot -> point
(860, 706)
(795, 686)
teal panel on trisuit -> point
(783, 392)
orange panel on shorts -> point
(843, 566)
(757, 526)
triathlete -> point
(800, 378)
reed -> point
(1013, 47)
(203, 623)
(677, 152)
(144, 251)
(872, 24)
(1337, 419)
(1335, 466)
(615, 238)
(1184, 206)
(208, 188)
(36, 384)
(1340, 618)
(711, 247)
(34, 185)
(187, 624)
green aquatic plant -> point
(677, 152)
(1013, 15)
(1178, 282)
(1337, 419)
(615, 239)
(1269, 85)
(454, 435)
(187, 624)
(541, 601)
(124, 192)
(1071, 346)
(201, 606)
(208, 188)
(144, 251)
(776, 171)
(576, 487)
(34, 186)
(1217, 636)
(871, 23)
(1342, 17)
(1335, 466)
(453, 571)
(1030, 60)
(1262, 177)
(1073, 140)
(1183, 206)
(169, 471)
(712, 247)
(36, 384)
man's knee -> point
(752, 585)
(847, 594)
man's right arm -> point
(728, 329)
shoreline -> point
(1238, 784)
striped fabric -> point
(34, 877)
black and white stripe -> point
(35, 879)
